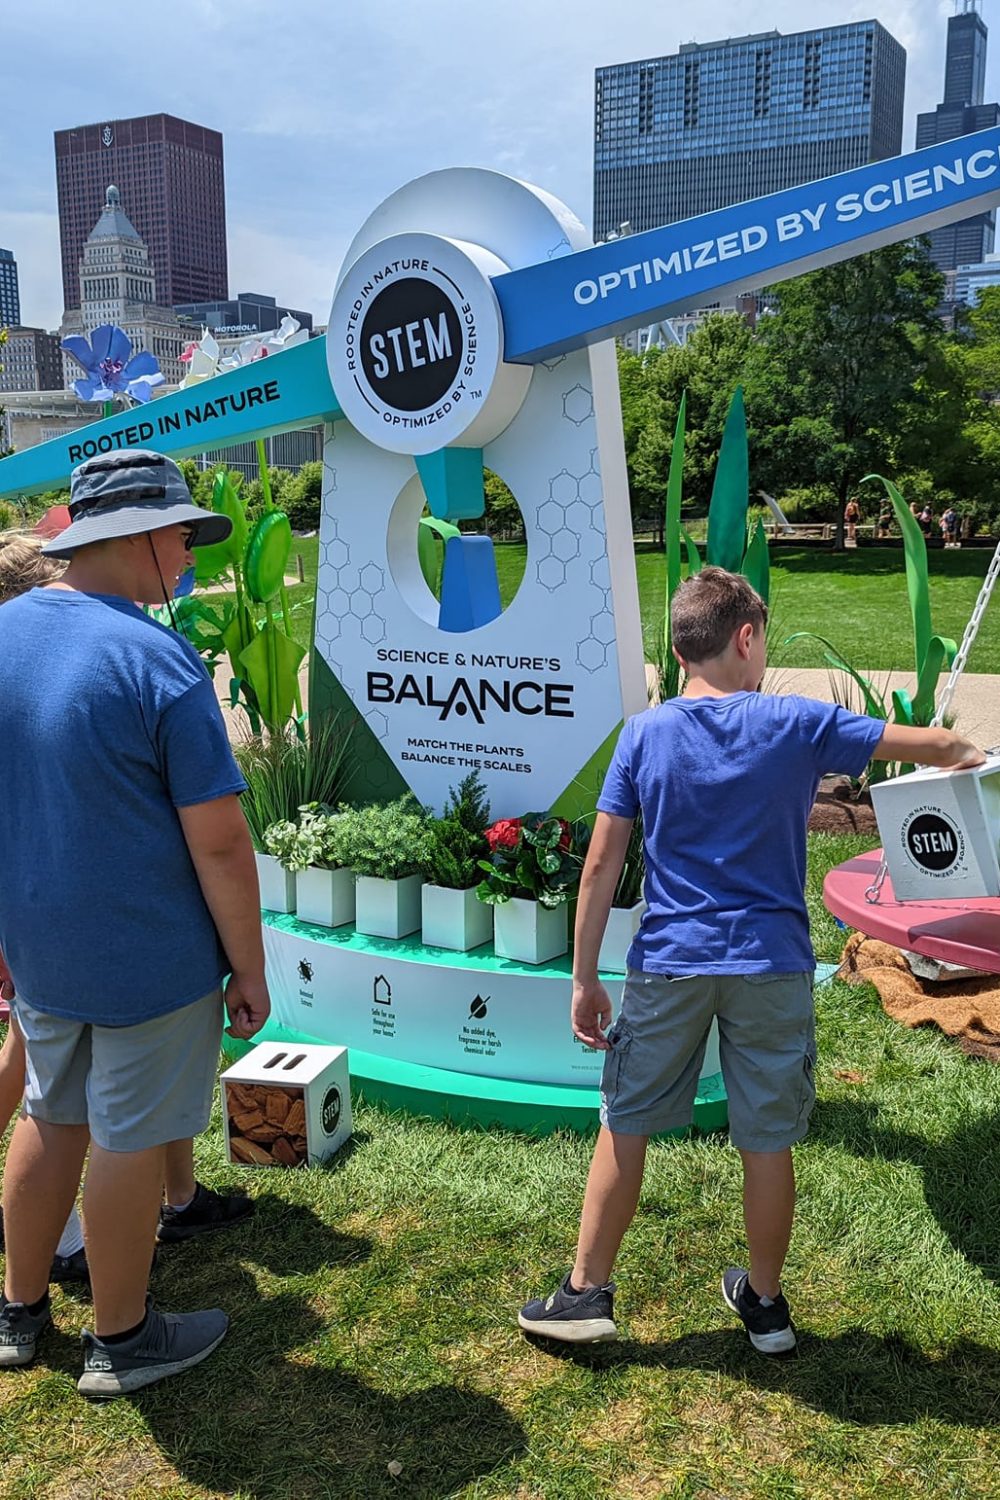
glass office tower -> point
(722, 122)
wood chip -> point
(286, 1153)
(295, 1123)
(250, 1153)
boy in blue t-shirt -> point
(724, 777)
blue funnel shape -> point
(470, 590)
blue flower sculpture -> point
(112, 369)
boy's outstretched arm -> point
(591, 1004)
(928, 747)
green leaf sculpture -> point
(931, 652)
(727, 511)
(266, 558)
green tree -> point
(302, 497)
(846, 363)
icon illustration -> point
(382, 990)
(305, 970)
(478, 1007)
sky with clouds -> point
(328, 107)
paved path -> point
(976, 705)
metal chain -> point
(874, 891)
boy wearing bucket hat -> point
(116, 763)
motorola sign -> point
(415, 342)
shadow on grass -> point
(270, 1415)
(961, 1174)
(855, 1376)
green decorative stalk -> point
(727, 511)
(931, 653)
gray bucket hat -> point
(127, 493)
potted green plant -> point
(533, 871)
(384, 844)
(324, 886)
(627, 906)
(452, 914)
(275, 870)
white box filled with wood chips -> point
(286, 1103)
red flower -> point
(567, 834)
(504, 834)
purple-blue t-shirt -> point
(109, 724)
(725, 786)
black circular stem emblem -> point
(411, 344)
(330, 1113)
(933, 842)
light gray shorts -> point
(134, 1086)
(767, 1044)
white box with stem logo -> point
(286, 1103)
(941, 832)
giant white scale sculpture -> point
(472, 329)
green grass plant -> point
(373, 1305)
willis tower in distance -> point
(962, 112)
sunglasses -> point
(188, 536)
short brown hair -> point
(708, 609)
(23, 565)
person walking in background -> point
(128, 825)
(885, 519)
(852, 515)
(925, 520)
(949, 527)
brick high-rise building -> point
(171, 175)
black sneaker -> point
(20, 1331)
(70, 1269)
(206, 1212)
(575, 1317)
(166, 1344)
(770, 1328)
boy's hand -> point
(591, 1014)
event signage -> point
(276, 394)
(560, 303)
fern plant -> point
(456, 841)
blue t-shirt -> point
(725, 786)
(108, 724)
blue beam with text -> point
(580, 299)
(284, 391)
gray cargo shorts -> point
(134, 1086)
(767, 1044)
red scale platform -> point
(965, 932)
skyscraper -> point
(116, 284)
(962, 112)
(10, 300)
(723, 122)
(171, 175)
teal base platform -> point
(487, 1103)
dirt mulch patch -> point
(839, 809)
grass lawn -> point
(856, 599)
(373, 1308)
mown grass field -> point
(856, 599)
(373, 1306)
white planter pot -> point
(325, 897)
(455, 919)
(528, 932)
(388, 908)
(277, 885)
(623, 924)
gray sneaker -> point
(167, 1344)
(20, 1331)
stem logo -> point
(330, 1112)
(414, 343)
(932, 841)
